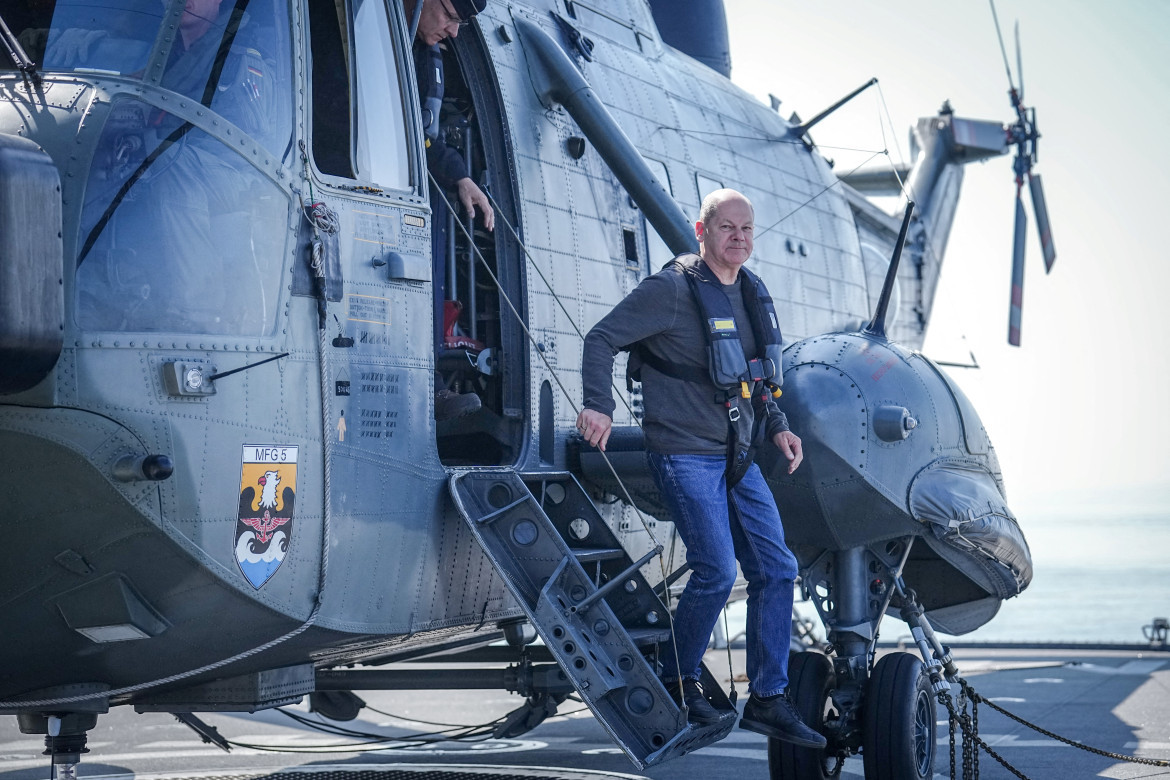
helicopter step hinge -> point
(589, 602)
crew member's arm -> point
(785, 440)
(648, 310)
(470, 195)
(449, 170)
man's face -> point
(437, 21)
(198, 16)
(726, 240)
(195, 11)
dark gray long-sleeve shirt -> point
(682, 417)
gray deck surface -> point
(1115, 700)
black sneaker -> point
(699, 710)
(777, 718)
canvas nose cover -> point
(968, 516)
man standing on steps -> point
(705, 341)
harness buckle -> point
(732, 412)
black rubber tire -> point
(810, 678)
(899, 720)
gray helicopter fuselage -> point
(307, 504)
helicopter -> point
(221, 346)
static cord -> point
(823, 190)
(309, 621)
(536, 267)
(344, 731)
(889, 120)
(572, 404)
(457, 725)
(532, 339)
(557, 298)
(374, 742)
(730, 671)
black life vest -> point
(428, 64)
(735, 375)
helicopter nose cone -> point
(871, 416)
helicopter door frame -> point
(348, 87)
(511, 420)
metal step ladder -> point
(590, 604)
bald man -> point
(705, 342)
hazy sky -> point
(1078, 413)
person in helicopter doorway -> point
(439, 20)
(705, 342)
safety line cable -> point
(764, 138)
(557, 298)
(372, 742)
(339, 730)
(905, 186)
(674, 529)
(823, 190)
(459, 725)
(544, 358)
(326, 522)
(572, 404)
(637, 421)
(376, 742)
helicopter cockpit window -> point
(659, 252)
(358, 109)
(706, 185)
(178, 232)
(329, 38)
(235, 58)
(112, 37)
(381, 149)
(231, 55)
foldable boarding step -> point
(600, 554)
(602, 621)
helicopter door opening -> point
(479, 346)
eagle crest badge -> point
(268, 491)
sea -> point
(1100, 575)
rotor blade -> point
(1019, 62)
(1002, 49)
(1017, 307)
(1040, 209)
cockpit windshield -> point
(179, 229)
(233, 56)
(114, 37)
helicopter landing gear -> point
(899, 720)
(64, 737)
(810, 680)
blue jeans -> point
(716, 532)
